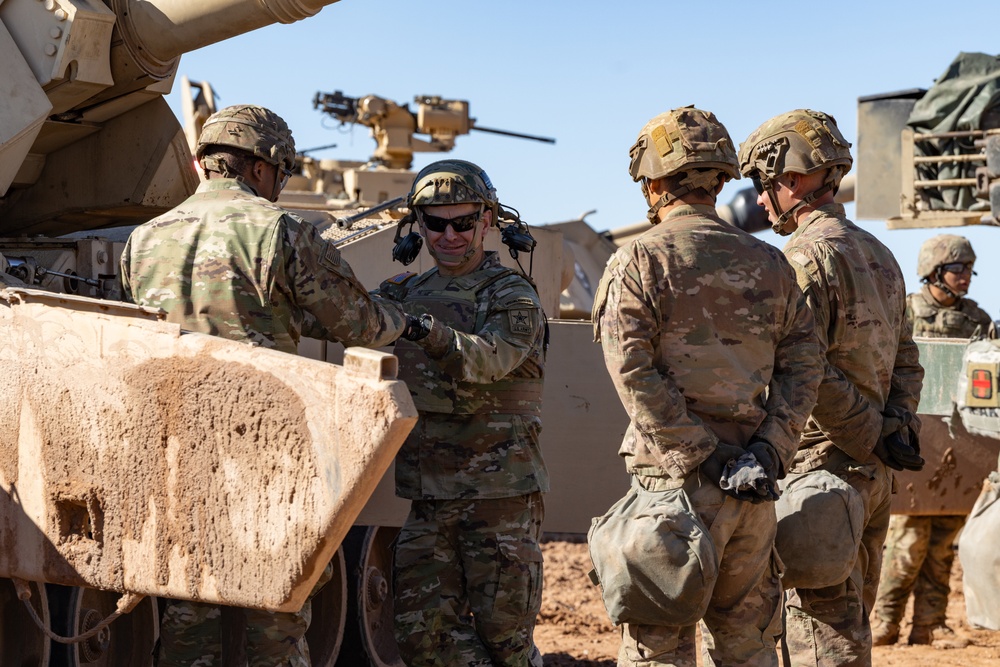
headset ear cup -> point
(407, 247)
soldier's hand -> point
(896, 452)
(715, 465)
(767, 457)
(417, 327)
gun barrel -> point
(345, 223)
(169, 28)
(518, 135)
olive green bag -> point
(654, 559)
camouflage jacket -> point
(962, 319)
(231, 264)
(707, 338)
(856, 293)
(476, 380)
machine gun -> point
(393, 125)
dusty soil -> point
(574, 631)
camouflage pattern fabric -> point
(476, 381)
(963, 319)
(707, 339)
(691, 291)
(473, 468)
(231, 264)
(743, 620)
(918, 558)
(829, 626)
(856, 292)
(191, 634)
(919, 549)
(469, 582)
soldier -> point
(468, 563)
(919, 549)
(864, 422)
(712, 350)
(231, 263)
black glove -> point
(896, 451)
(715, 465)
(767, 457)
(417, 327)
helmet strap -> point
(940, 284)
(221, 167)
(694, 180)
(783, 218)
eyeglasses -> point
(757, 184)
(958, 268)
(461, 223)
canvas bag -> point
(816, 511)
(654, 559)
(977, 551)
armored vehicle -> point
(110, 495)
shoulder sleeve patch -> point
(331, 257)
(520, 320)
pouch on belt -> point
(820, 522)
(654, 559)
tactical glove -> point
(417, 327)
(896, 452)
(767, 457)
(716, 463)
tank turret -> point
(86, 138)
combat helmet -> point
(939, 250)
(684, 140)
(802, 141)
(249, 128)
(453, 182)
(441, 183)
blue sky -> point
(591, 74)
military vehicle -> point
(109, 496)
(88, 144)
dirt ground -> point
(574, 631)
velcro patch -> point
(331, 257)
(401, 278)
(520, 321)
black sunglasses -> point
(958, 268)
(461, 223)
(757, 185)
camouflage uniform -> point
(856, 292)
(228, 263)
(708, 340)
(919, 549)
(468, 563)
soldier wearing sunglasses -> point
(468, 563)
(919, 549)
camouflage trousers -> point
(469, 582)
(191, 634)
(743, 620)
(829, 626)
(918, 557)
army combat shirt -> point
(707, 338)
(856, 292)
(962, 319)
(228, 263)
(476, 382)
